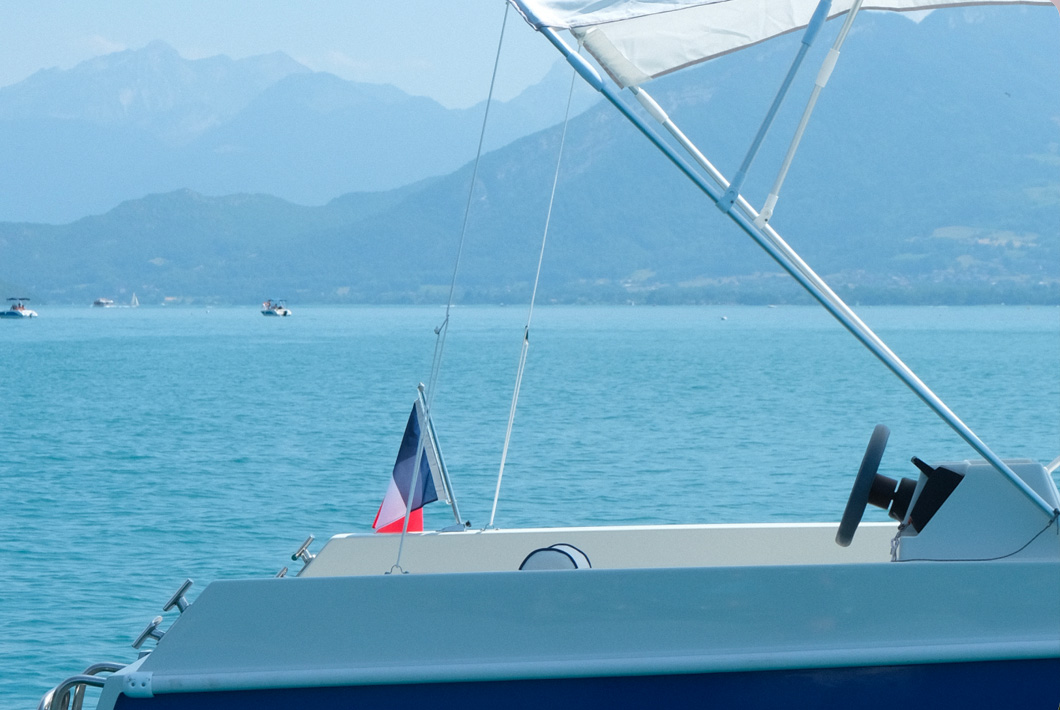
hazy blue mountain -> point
(931, 173)
(152, 89)
(185, 244)
(144, 121)
(311, 137)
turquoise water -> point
(144, 446)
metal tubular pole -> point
(767, 238)
(657, 112)
(441, 461)
(823, 74)
(814, 26)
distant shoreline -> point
(188, 303)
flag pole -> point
(443, 471)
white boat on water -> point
(18, 309)
(954, 604)
(275, 307)
(103, 303)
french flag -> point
(391, 515)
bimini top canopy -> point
(639, 40)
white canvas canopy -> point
(639, 40)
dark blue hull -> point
(1027, 684)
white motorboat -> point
(954, 604)
(275, 307)
(18, 309)
(103, 303)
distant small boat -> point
(18, 309)
(103, 303)
(273, 307)
(135, 302)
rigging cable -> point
(441, 330)
(533, 298)
(896, 545)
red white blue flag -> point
(391, 515)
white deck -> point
(639, 547)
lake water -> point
(143, 446)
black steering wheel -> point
(859, 494)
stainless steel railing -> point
(70, 694)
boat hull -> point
(967, 686)
(961, 633)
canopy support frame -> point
(823, 74)
(812, 29)
(769, 240)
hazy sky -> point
(439, 48)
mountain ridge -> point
(947, 190)
(145, 121)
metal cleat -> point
(303, 552)
(151, 631)
(178, 600)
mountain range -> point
(930, 173)
(80, 141)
